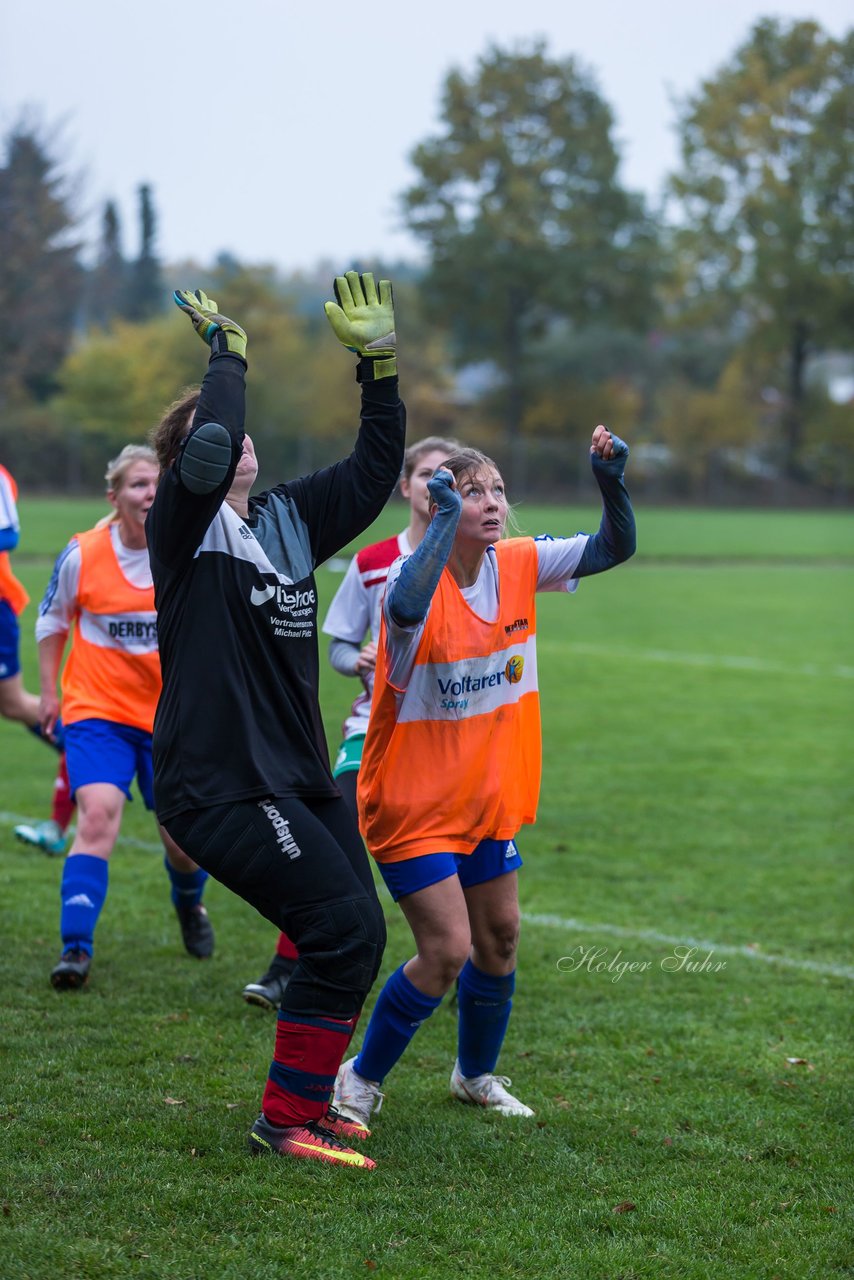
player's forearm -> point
(410, 596)
(179, 516)
(343, 657)
(211, 451)
(616, 540)
(51, 649)
(340, 502)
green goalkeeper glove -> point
(220, 333)
(363, 320)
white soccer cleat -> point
(47, 835)
(355, 1098)
(487, 1091)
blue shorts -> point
(489, 860)
(102, 751)
(10, 638)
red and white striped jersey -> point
(356, 611)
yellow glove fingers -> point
(356, 291)
(363, 320)
(370, 289)
(208, 322)
(199, 307)
(185, 300)
(343, 294)
(340, 324)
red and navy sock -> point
(305, 1063)
(484, 1002)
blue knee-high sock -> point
(83, 890)
(397, 1015)
(484, 1011)
(187, 886)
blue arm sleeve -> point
(616, 540)
(410, 596)
(8, 538)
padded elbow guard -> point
(206, 458)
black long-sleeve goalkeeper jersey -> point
(237, 608)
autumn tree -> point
(519, 203)
(108, 283)
(764, 201)
(146, 295)
(41, 278)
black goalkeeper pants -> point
(302, 865)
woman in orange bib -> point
(452, 760)
(103, 593)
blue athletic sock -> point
(484, 1010)
(57, 738)
(397, 1015)
(187, 886)
(83, 890)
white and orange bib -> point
(456, 757)
(10, 588)
(113, 670)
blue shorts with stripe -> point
(103, 751)
(489, 860)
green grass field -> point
(697, 710)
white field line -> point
(570, 925)
(725, 662)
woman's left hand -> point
(607, 446)
(443, 491)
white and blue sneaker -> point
(355, 1098)
(47, 836)
(488, 1091)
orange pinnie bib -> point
(457, 759)
(113, 670)
(10, 588)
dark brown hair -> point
(166, 437)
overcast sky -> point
(281, 131)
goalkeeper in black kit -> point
(242, 779)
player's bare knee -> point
(501, 941)
(445, 959)
(97, 822)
